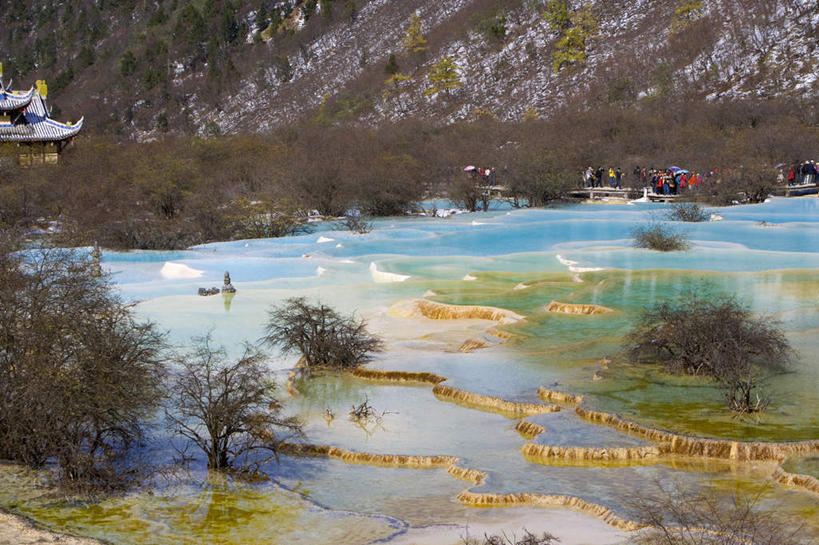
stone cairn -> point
(228, 287)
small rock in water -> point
(204, 292)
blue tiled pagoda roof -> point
(14, 100)
(37, 126)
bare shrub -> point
(688, 212)
(717, 337)
(679, 516)
(227, 408)
(750, 184)
(464, 193)
(80, 376)
(266, 219)
(356, 223)
(322, 336)
(528, 538)
(659, 236)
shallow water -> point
(521, 260)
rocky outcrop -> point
(397, 377)
(510, 409)
(207, 292)
(529, 430)
(575, 308)
(547, 453)
(548, 501)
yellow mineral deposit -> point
(548, 501)
(574, 308)
(471, 345)
(553, 396)
(397, 377)
(368, 458)
(509, 409)
(386, 460)
(546, 453)
(808, 483)
(529, 430)
(422, 308)
(469, 475)
(697, 446)
(491, 337)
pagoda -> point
(25, 120)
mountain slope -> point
(214, 66)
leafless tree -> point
(356, 223)
(227, 408)
(322, 336)
(675, 515)
(79, 375)
(537, 177)
(714, 336)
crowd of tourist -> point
(800, 174)
(675, 180)
(484, 176)
(671, 181)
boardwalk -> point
(795, 190)
(500, 192)
(625, 193)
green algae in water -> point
(568, 347)
(217, 513)
(803, 466)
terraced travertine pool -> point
(518, 260)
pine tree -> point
(444, 77)
(571, 48)
(557, 14)
(414, 41)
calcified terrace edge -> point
(667, 443)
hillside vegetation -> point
(142, 68)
